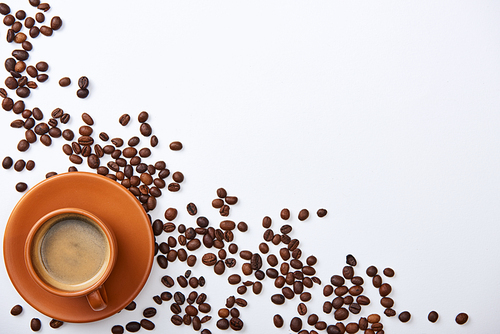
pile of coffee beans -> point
(128, 162)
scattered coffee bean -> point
(131, 306)
(389, 272)
(351, 260)
(55, 323)
(16, 310)
(21, 187)
(133, 326)
(321, 213)
(35, 324)
(117, 329)
(176, 146)
(303, 214)
(285, 214)
(124, 119)
(433, 316)
(404, 316)
(296, 324)
(461, 318)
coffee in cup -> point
(70, 252)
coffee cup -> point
(70, 253)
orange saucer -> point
(113, 204)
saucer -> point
(112, 203)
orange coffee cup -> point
(70, 253)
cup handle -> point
(98, 299)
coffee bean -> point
(87, 119)
(145, 129)
(42, 66)
(231, 200)
(149, 312)
(433, 316)
(219, 267)
(46, 30)
(23, 92)
(460, 319)
(389, 272)
(404, 316)
(377, 281)
(39, 17)
(278, 299)
(191, 209)
(296, 324)
(384, 290)
(83, 82)
(4, 9)
(117, 329)
(174, 187)
(302, 309)
(147, 324)
(26, 45)
(293, 244)
(34, 32)
(236, 324)
(351, 260)
(241, 290)
(133, 326)
(16, 310)
(175, 146)
(19, 165)
(7, 162)
(176, 320)
(327, 307)
(56, 23)
(179, 297)
(303, 214)
(20, 54)
(209, 259)
(222, 324)
(35, 324)
(354, 308)
(68, 135)
(167, 281)
(387, 302)
(21, 187)
(321, 213)
(341, 314)
(348, 272)
(363, 300)
(256, 261)
(285, 214)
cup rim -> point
(64, 293)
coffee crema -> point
(72, 252)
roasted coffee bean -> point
(42, 66)
(209, 259)
(56, 23)
(182, 282)
(303, 214)
(42, 77)
(34, 32)
(39, 17)
(296, 324)
(55, 323)
(351, 260)
(356, 290)
(321, 213)
(19, 165)
(23, 145)
(377, 281)
(65, 82)
(404, 316)
(16, 310)
(20, 54)
(460, 319)
(231, 200)
(179, 297)
(16, 124)
(147, 324)
(387, 302)
(256, 261)
(11, 83)
(35, 324)
(191, 209)
(389, 272)
(223, 313)
(174, 187)
(236, 324)
(242, 289)
(384, 290)
(217, 203)
(302, 309)
(4, 9)
(227, 225)
(327, 307)
(341, 314)
(432, 317)
(363, 300)
(354, 308)
(176, 319)
(145, 129)
(149, 312)
(285, 214)
(222, 324)
(175, 146)
(167, 281)
(117, 329)
(131, 306)
(278, 299)
(7, 162)
(7, 104)
(27, 45)
(133, 326)
(293, 244)
(23, 92)
(83, 82)
(45, 30)
(219, 267)
(87, 119)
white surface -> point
(385, 113)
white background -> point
(386, 113)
